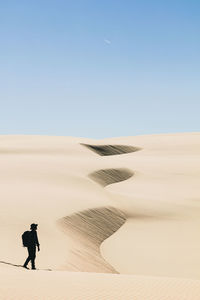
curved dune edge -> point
(87, 230)
(106, 150)
(109, 176)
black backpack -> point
(25, 238)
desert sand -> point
(118, 218)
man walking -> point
(31, 243)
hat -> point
(33, 226)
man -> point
(31, 246)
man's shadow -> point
(14, 265)
(7, 263)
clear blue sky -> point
(99, 68)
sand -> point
(118, 218)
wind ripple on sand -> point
(106, 150)
(109, 176)
(87, 230)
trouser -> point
(31, 256)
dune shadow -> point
(106, 150)
(109, 176)
(87, 230)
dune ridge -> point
(109, 176)
(107, 150)
(88, 229)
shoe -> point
(25, 267)
(33, 268)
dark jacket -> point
(33, 239)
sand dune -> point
(107, 150)
(87, 230)
(18, 284)
(141, 219)
(110, 176)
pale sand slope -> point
(77, 196)
(62, 285)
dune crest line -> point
(87, 230)
(106, 150)
(109, 176)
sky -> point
(99, 68)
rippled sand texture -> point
(106, 150)
(87, 230)
(109, 176)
